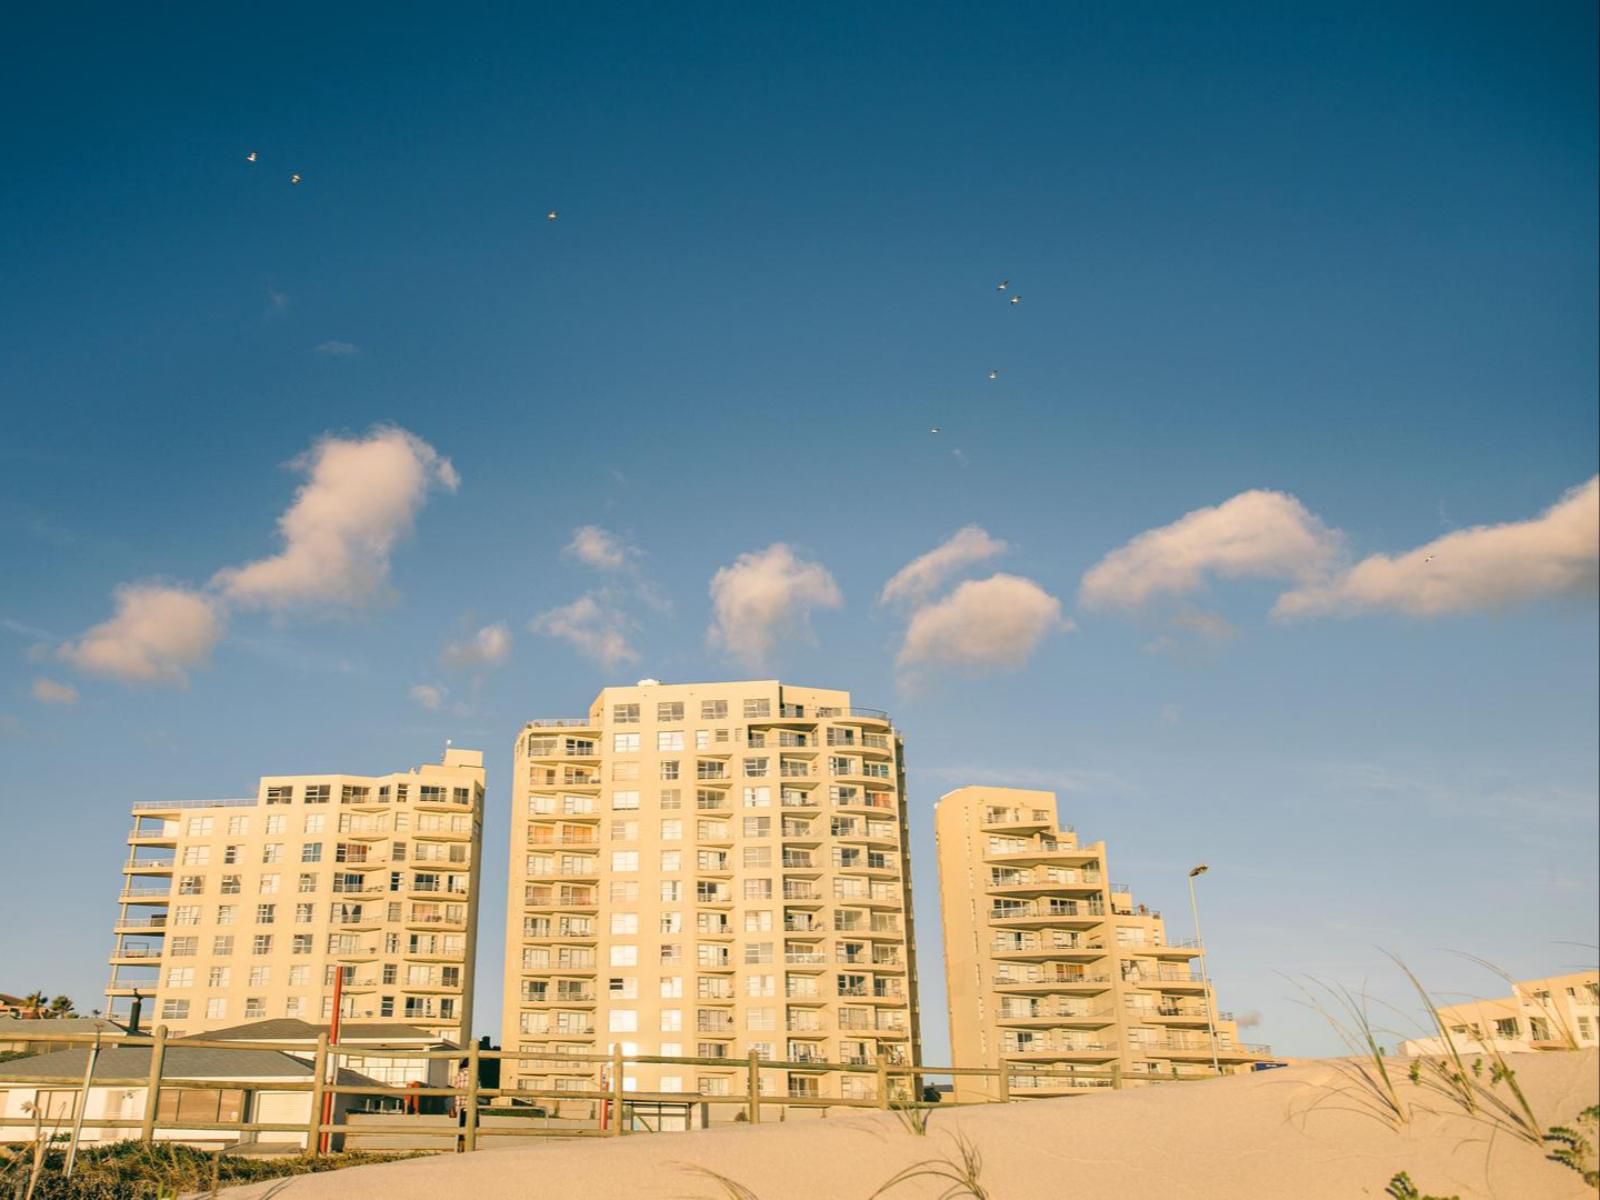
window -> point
(757, 827)
(624, 891)
(307, 883)
(671, 798)
(757, 856)
(623, 1020)
(672, 830)
(755, 768)
(713, 710)
(280, 795)
(669, 740)
(624, 956)
(624, 831)
(624, 801)
(186, 914)
(175, 1106)
(669, 711)
(757, 708)
(184, 947)
(624, 923)
(671, 769)
(671, 953)
(304, 914)
(311, 852)
(318, 793)
(174, 1010)
(671, 891)
(1507, 1028)
(227, 914)
(222, 947)
(230, 855)
(313, 823)
(625, 743)
(230, 885)
(268, 885)
(196, 856)
(272, 852)
(191, 885)
(671, 1020)
(254, 1006)
(180, 977)
(758, 952)
(758, 797)
(199, 827)
(300, 944)
(671, 922)
(623, 987)
(758, 920)
(216, 1008)
(274, 825)
(299, 976)
(758, 889)
(261, 944)
(624, 860)
(624, 714)
(260, 977)
(266, 913)
(624, 772)
(238, 826)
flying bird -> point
(551, 215)
(1002, 285)
(293, 179)
(251, 157)
(1016, 299)
(1427, 560)
(994, 374)
(935, 429)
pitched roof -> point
(181, 1062)
(286, 1029)
(18, 1028)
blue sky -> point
(1344, 254)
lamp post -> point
(1205, 978)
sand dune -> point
(1290, 1133)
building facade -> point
(1561, 1012)
(1050, 964)
(241, 910)
(710, 870)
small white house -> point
(50, 1084)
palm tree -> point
(61, 1006)
(33, 1004)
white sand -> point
(1290, 1134)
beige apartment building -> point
(240, 910)
(1050, 964)
(710, 870)
(1560, 1012)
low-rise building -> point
(1560, 1012)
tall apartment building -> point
(1559, 1012)
(234, 910)
(1048, 963)
(708, 870)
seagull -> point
(1427, 560)
(1016, 299)
(994, 374)
(551, 215)
(1002, 285)
(251, 157)
(293, 179)
(935, 429)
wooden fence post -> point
(319, 1084)
(616, 1090)
(1005, 1082)
(469, 1140)
(152, 1091)
(883, 1081)
(753, 1082)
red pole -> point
(333, 1061)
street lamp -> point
(1205, 978)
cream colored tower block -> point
(241, 910)
(1050, 964)
(708, 870)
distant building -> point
(1050, 964)
(247, 909)
(1561, 1012)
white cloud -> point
(157, 633)
(361, 497)
(766, 595)
(1487, 567)
(923, 576)
(487, 648)
(1256, 534)
(48, 691)
(592, 625)
(983, 625)
(428, 696)
(337, 349)
(599, 548)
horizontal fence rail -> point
(895, 1085)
